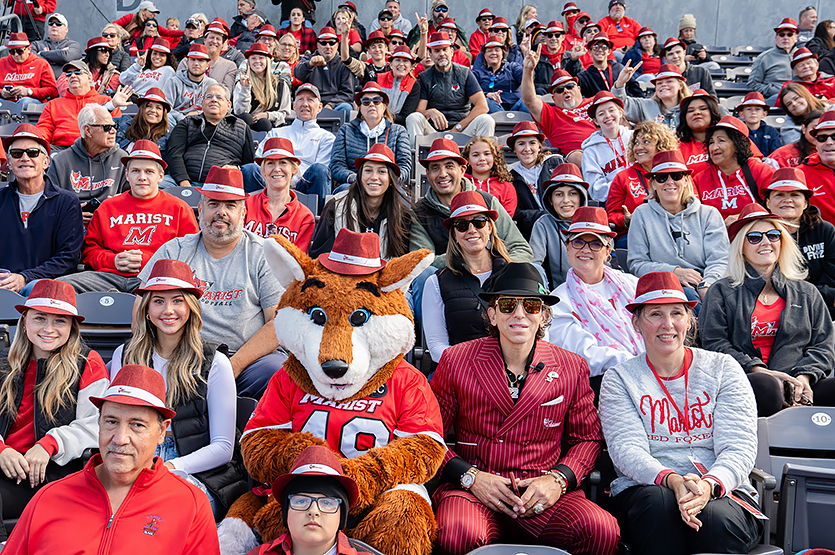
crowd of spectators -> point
(643, 202)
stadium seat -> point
(258, 137)
(796, 435)
(245, 408)
(516, 549)
(189, 194)
(107, 320)
(622, 260)
(331, 120)
(311, 201)
(748, 50)
(732, 61)
(130, 110)
(32, 112)
(731, 102)
(738, 74)
(807, 508)
(506, 120)
(776, 121)
(717, 50)
(729, 88)
(8, 314)
(6, 130)
(12, 107)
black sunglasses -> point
(106, 127)
(823, 137)
(109, 35)
(30, 152)
(152, 25)
(552, 35)
(495, 30)
(397, 42)
(17, 51)
(103, 49)
(567, 87)
(756, 237)
(55, 24)
(327, 42)
(463, 225)
(662, 177)
(385, 18)
(376, 100)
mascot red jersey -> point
(346, 324)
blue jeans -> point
(494, 106)
(168, 181)
(316, 180)
(344, 107)
(693, 295)
(622, 242)
(253, 380)
(167, 451)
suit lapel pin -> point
(551, 376)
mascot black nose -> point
(335, 368)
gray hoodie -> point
(57, 52)
(771, 69)
(185, 95)
(89, 177)
(695, 238)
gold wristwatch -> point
(468, 478)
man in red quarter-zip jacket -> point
(125, 501)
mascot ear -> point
(399, 272)
(287, 261)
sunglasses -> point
(463, 225)
(568, 87)
(106, 127)
(397, 42)
(785, 34)
(507, 305)
(495, 30)
(17, 51)
(30, 152)
(73, 72)
(103, 49)
(109, 35)
(600, 47)
(442, 9)
(485, 19)
(594, 245)
(301, 502)
(55, 24)
(385, 18)
(553, 35)
(662, 177)
(824, 137)
(154, 25)
(376, 100)
(327, 42)
(756, 237)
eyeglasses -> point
(54, 23)
(109, 35)
(756, 237)
(30, 152)
(442, 9)
(327, 42)
(824, 137)
(594, 245)
(553, 35)
(600, 47)
(385, 18)
(567, 87)
(463, 225)
(106, 127)
(73, 72)
(214, 96)
(785, 34)
(398, 42)
(507, 305)
(301, 502)
(376, 100)
(662, 177)
(17, 51)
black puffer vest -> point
(65, 414)
(461, 303)
(190, 428)
(207, 149)
(433, 221)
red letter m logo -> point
(140, 236)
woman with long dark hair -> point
(152, 70)
(199, 383)
(151, 122)
(824, 39)
(47, 377)
(143, 42)
(373, 202)
(798, 102)
(697, 113)
(105, 75)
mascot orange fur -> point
(346, 324)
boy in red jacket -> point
(24, 76)
(127, 229)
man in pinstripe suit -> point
(513, 399)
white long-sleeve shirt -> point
(311, 143)
(221, 398)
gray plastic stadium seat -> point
(506, 120)
(516, 549)
(107, 320)
(807, 508)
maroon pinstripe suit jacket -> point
(498, 436)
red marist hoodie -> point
(125, 223)
(34, 73)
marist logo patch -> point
(150, 527)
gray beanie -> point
(687, 21)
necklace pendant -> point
(514, 392)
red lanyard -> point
(621, 160)
(683, 418)
(608, 82)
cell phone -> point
(91, 206)
(513, 485)
(788, 393)
(7, 87)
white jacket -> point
(311, 143)
(599, 163)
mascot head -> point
(343, 318)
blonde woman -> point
(199, 383)
(527, 13)
(764, 314)
(115, 35)
(261, 99)
(47, 377)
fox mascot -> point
(346, 324)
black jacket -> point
(818, 247)
(805, 340)
(528, 209)
(592, 82)
(334, 80)
(195, 145)
(465, 312)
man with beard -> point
(566, 123)
(240, 292)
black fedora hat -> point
(519, 279)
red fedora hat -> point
(787, 180)
(156, 95)
(224, 184)
(161, 45)
(467, 203)
(138, 386)
(524, 129)
(659, 288)
(353, 254)
(277, 148)
(52, 297)
(379, 152)
(754, 99)
(439, 40)
(697, 94)
(590, 219)
(750, 213)
(567, 174)
(317, 460)
(827, 121)
(198, 51)
(669, 161)
(667, 71)
(170, 275)
(26, 131)
(258, 48)
(601, 98)
(560, 77)
(442, 149)
(802, 54)
(144, 150)
(374, 36)
(20, 40)
(95, 42)
(371, 87)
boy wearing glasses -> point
(513, 398)
(315, 499)
(24, 77)
(56, 48)
(772, 68)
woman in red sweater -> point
(46, 380)
(133, 23)
(631, 186)
(696, 113)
